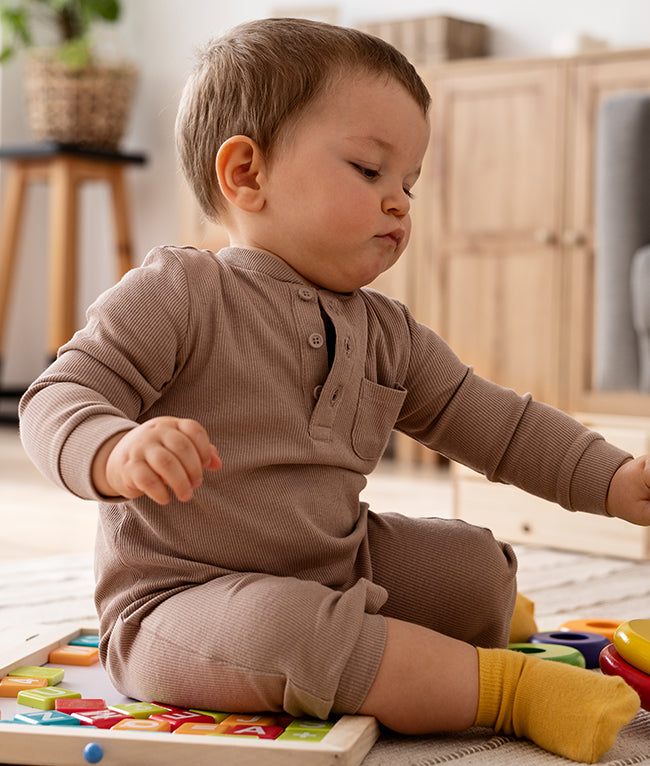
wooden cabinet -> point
(497, 151)
(591, 79)
(510, 191)
(502, 258)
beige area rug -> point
(58, 591)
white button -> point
(316, 340)
(305, 293)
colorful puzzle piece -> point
(176, 718)
(256, 730)
(53, 676)
(138, 709)
(102, 719)
(197, 728)
(44, 699)
(47, 718)
(74, 655)
(85, 640)
(217, 717)
(71, 706)
(9, 687)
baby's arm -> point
(629, 492)
(162, 454)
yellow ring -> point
(632, 642)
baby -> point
(252, 578)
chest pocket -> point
(377, 410)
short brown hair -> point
(254, 79)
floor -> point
(40, 519)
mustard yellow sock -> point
(567, 710)
(523, 623)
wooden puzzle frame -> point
(345, 745)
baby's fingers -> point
(177, 465)
(143, 480)
(200, 440)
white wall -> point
(161, 36)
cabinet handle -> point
(573, 238)
(544, 236)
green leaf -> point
(75, 53)
(109, 10)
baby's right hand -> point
(160, 455)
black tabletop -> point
(47, 149)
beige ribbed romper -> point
(269, 589)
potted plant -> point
(72, 96)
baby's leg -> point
(428, 683)
(250, 642)
(446, 575)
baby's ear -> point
(240, 170)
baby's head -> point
(256, 81)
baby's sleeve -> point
(508, 437)
(109, 373)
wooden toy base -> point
(345, 745)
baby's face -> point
(338, 187)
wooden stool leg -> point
(63, 244)
(10, 226)
(121, 220)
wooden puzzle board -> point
(345, 745)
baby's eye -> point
(408, 192)
(369, 173)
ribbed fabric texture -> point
(237, 342)
(567, 710)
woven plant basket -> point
(87, 107)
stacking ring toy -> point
(612, 664)
(632, 642)
(604, 627)
(590, 645)
(553, 652)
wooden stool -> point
(65, 168)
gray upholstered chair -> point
(622, 200)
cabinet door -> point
(497, 149)
(591, 79)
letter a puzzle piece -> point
(255, 730)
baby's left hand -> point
(629, 492)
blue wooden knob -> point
(93, 753)
(590, 645)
